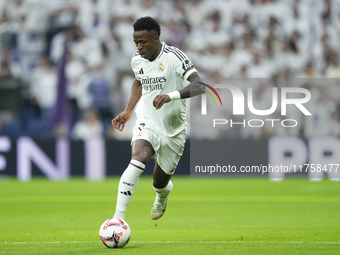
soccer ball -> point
(115, 233)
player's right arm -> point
(123, 117)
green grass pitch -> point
(204, 216)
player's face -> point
(146, 43)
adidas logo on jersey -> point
(141, 71)
(127, 193)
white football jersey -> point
(167, 73)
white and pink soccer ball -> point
(115, 233)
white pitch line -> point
(181, 242)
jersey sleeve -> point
(183, 65)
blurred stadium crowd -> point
(224, 39)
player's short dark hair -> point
(147, 23)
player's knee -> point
(142, 155)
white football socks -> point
(163, 193)
(127, 186)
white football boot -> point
(159, 206)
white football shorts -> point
(168, 150)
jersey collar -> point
(162, 50)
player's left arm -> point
(193, 89)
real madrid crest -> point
(161, 67)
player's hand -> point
(120, 120)
(160, 100)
